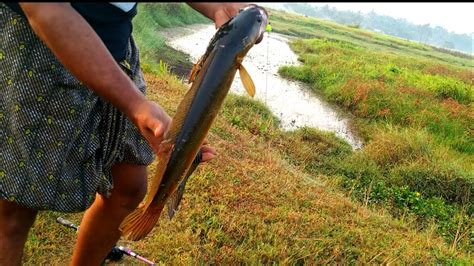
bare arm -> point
(80, 50)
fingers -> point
(155, 135)
(153, 122)
(208, 149)
(157, 128)
(208, 153)
(207, 157)
(154, 125)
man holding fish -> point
(74, 120)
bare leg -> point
(15, 223)
(99, 227)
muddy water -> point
(289, 100)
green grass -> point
(402, 170)
(305, 27)
(415, 110)
(152, 17)
(255, 204)
(390, 89)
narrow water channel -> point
(289, 100)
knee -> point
(132, 195)
(130, 186)
(15, 220)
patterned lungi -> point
(58, 139)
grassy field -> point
(306, 27)
(255, 207)
(305, 196)
(414, 107)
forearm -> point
(80, 50)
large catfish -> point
(212, 77)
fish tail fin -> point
(140, 222)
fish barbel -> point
(211, 79)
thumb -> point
(157, 128)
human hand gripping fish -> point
(211, 79)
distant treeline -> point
(427, 34)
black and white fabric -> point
(58, 139)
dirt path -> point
(291, 101)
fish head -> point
(246, 29)
(261, 18)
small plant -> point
(163, 67)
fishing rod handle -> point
(129, 252)
(66, 223)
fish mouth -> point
(264, 20)
(259, 39)
(261, 18)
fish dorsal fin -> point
(195, 70)
(193, 73)
(247, 80)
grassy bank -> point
(401, 171)
(152, 17)
(391, 89)
(255, 205)
(414, 107)
(304, 27)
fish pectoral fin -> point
(195, 70)
(247, 80)
(175, 198)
